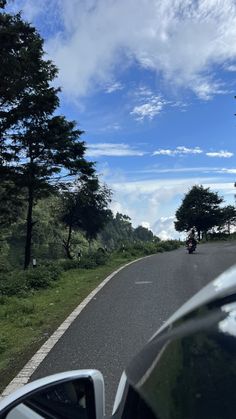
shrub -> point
(3, 343)
(37, 278)
(101, 258)
(54, 269)
(159, 249)
(88, 262)
(13, 283)
(68, 264)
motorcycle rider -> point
(191, 237)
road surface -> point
(130, 308)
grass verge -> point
(27, 322)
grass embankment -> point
(28, 319)
(26, 322)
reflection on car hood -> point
(189, 369)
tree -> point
(200, 208)
(36, 145)
(143, 234)
(85, 207)
(227, 217)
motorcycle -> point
(191, 246)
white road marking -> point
(24, 375)
(143, 282)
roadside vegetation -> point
(58, 236)
(34, 302)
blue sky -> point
(152, 83)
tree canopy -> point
(200, 208)
(85, 207)
(37, 146)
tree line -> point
(43, 166)
(203, 210)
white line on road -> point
(143, 282)
(24, 375)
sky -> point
(152, 84)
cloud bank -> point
(181, 40)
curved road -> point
(130, 308)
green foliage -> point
(143, 234)
(37, 278)
(18, 307)
(13, 283)
(119, 230)
(200, 208)
(22, 282)
(88, 262)
(5, 265)
(3, 343)
(85, 207)
(43, 276)
(227, 218)
(148, 248)
(68, 264)
(36, 144)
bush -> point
(88, 262)
(3, 344)
(54, 269)
(101, 258)
(68, 264)
(42, 276)
(21, 282)
(37, 278)
(13, 283)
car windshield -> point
(117, 175)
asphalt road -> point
(130, 308)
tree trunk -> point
(67, 243)
(29, 228)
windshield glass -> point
(117, 175)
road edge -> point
(27, 371)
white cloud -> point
(145, 224)
(158, 199)
(231, 67)
(143, 91)
(181, 170)
(149, 109)
(205, 89)
(178, 151)
(228, 171)
(164, 228)
(181, 40)
(222, 154)
(112, 149)
(114, 87)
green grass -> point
(26, 322)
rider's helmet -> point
(188, 369)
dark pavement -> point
(130, 308)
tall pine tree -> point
(35, 144)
